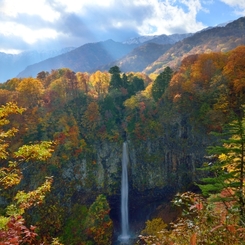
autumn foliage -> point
(69, 115)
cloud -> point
(15, 7)
(73, 23)
(239, 6)
(12, 44)
(142, 17)
(28, 35)
(173, 17)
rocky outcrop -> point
(168, 162)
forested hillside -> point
(61, 144)
(217, 39)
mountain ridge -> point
(12, 64)
(217, 39)
(84, 58)
(136, 54)
(139, 58)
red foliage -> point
(17, 233)
(60, 137)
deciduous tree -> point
(11, 174)
(30, 91)
(98, 223)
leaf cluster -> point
(202, 222)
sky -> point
(56, 24)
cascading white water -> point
(124, 237)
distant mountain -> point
(160, 39)
(85, 58)
(139, 58)
(130, 56)
(171, 39)
(140, 40)
(220, 38)
(12, 64)
(147, 53)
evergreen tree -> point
(136, 85)
(226, 174)
(125, 82)
(116, 80)
(161, 83)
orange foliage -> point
(205, 68)
(83, 81)
(235, 68)
(91, 119)
(6, 96)
(193, 240)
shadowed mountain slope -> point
(85, 58)
(12, 64)
(151, 56)
(138, 59)
(218, 39)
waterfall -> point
(124, 196)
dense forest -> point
(60, 150)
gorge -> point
(168, 135)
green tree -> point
(116, 80)
(125, 82)
(161, 83)
(227, 173)
(73, 233)
(98, 222)
(136, 84)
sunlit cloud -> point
(11, 51)
(14, 7)
(76, 22)
(74, 6)
(30, 36)
(169, 18)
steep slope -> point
(138, 59)
(217, 39)
(151, 48)
(85, 58)
(12, 64)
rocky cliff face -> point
(169, 161)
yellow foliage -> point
(30, 91)
(222, 157)
(100, 82)
(10, 172)
(153, 227)
(131, 103)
